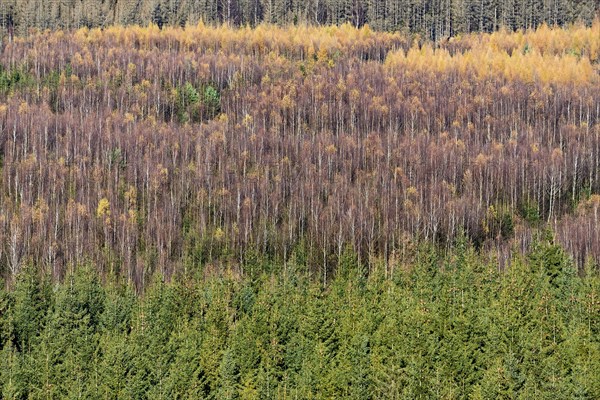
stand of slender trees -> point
(144, 150)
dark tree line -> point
(436, 19)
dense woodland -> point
(299, 212)
(444, 327)
(143, 150)
(434, 19)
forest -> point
(148, 151)
(443, 327)
(300, 211)
(433, 19)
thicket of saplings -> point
(302, 211)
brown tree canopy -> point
(146, 150)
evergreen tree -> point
(71, 340)
(29, 314)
